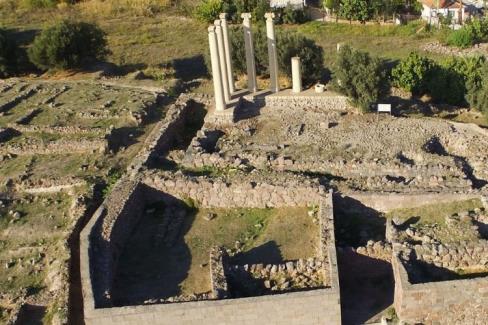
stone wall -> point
(218, 265)
(103, 239)
(308, 100)
(222, 193)
(310, 307)
(62, 146)
(447, 302)
(388, 201)
(320, 306)
(163, 134)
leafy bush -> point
(477, 90)
(446, 86)
(360, 76)
(8, 49)
(475, 31)
(209, 10)
(289, 44)
(462, 38)
(290, 15)
(68, 45)
(411, 74)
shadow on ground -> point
(367, 286)
(356, 223)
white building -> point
(297, 4)
(459, 10)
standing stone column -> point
(250, 63)
(228, 53)
(216, 74)
(223, 64)
(296, 74)
(272, 53)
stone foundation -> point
(309, 100)
(447, 302)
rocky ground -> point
(61, 143)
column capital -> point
(223, 16)
(211, 29)
(246, 15)
(269, 16)
(217, 22)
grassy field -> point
(139, 41)
(263, 235)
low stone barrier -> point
(249, 194)
(53, 147)
(309, 100)
(446, 302)
(162, 135)
(103, 239)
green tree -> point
(68, 45)
(412, 73)
(209, 10)
(355, 10)
(289, 44)
(360, 76)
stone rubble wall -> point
(19, 98)
(65, 130)
(467, 255)
(322, 103)
(365, 174)
(218, 279)
(103, 239)
(385, 202)
(248, 194)
(55, 147)
(436, 47)
(163, 134)
(49, 185)
(447, 302)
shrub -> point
(411, 74)
(290, 15)
(446, 86)
(289, 44)
(360, 77)
(475, 31)
(209, 10)
(477, 90)
(8, 49)
(462, 38)
(68, 45)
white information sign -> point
(384, 108)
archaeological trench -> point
(251, 207)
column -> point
(223, 65)
(228, 53)
(250, 64)
(216, 75)
(296, 74)
(272, 52)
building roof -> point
(442, 4)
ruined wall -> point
(320, 306)
(104, 237)
(248, 194)
(446, 302)
(308, 100)
(310, 307)
(163, 134)
(384, 201)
